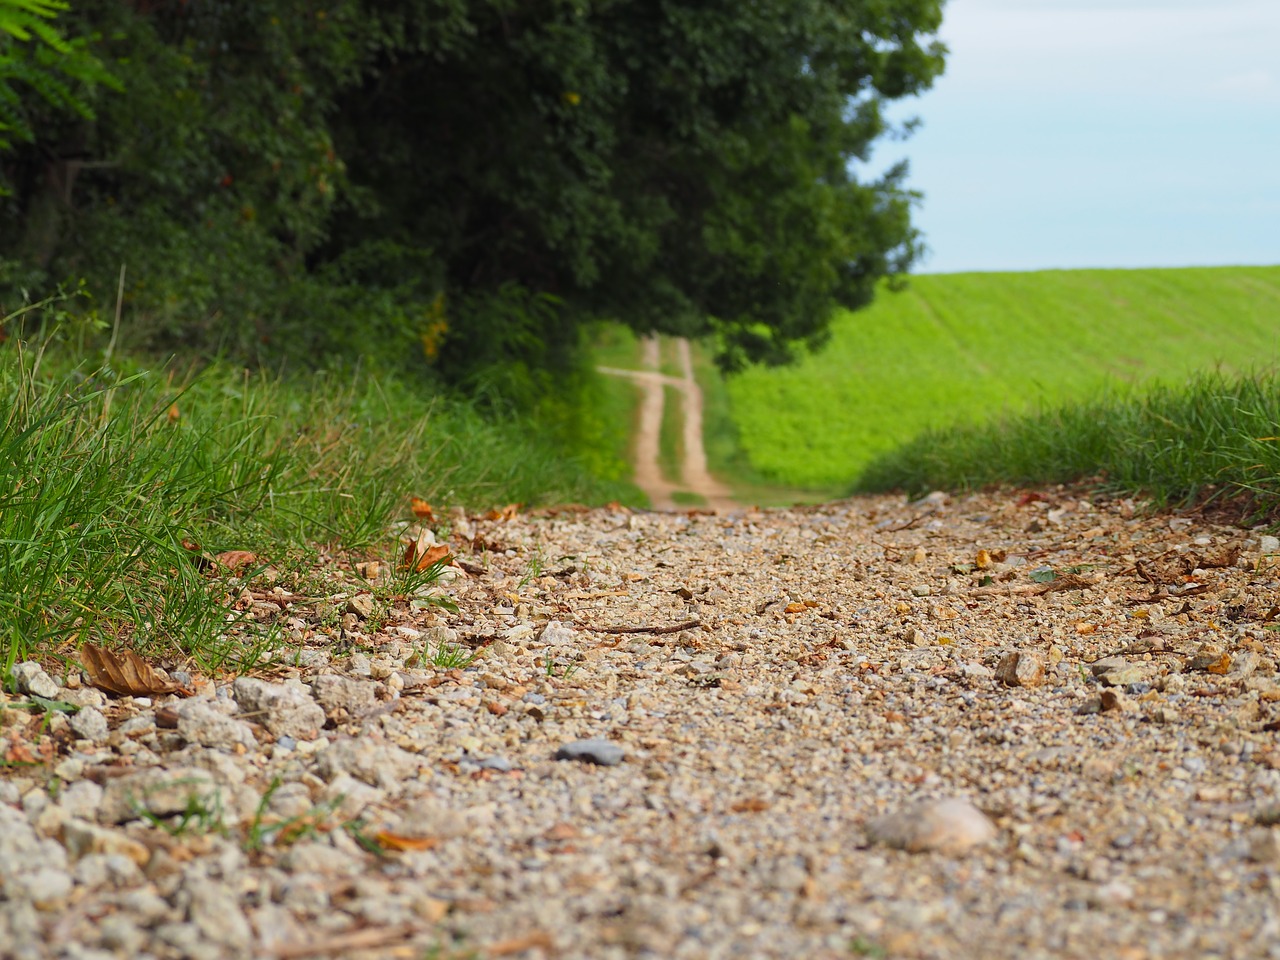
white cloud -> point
(1158, 49)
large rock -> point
(202, 722)
(286, 709)
(952, 826)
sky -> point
(1098, 133)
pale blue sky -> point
(1099, 133)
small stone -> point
(46, 887)
(81, 799)
(82, 838)
(597, 751)
(975, 671)
(951, 826)
(88, 723)
(1115, 701)
(342, 695)
(286, 709)
(29, 677)
(1131, 673)
(1263, 847)
(361, 605)
(556, 634)
(501, 764)
(1020, 668)
(1268, 545)
(160, 793)
(375, 762)
(199, 721)
(1163, 713)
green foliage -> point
(1215, 434)
(61, 73)
(104, 474)
(464, 183)
(968, 348)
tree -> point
(480, 177)
(682, 166)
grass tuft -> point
(110, 477)
(1216, 435)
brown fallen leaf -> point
(418, 559)
(235, 559)
(750, 805)
(396, 841)
(509, 512)
(422, 510)
(174, 414)
(125, 673)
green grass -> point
(104, 475)
(671, 435)
(1217, 434)
(971, 348)
(726, 458)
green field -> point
(966, 348)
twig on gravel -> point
(910, 523)
(505, 948)
(1065, 581)
(343, 943)
(647, 628)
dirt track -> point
(695, 478)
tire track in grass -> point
(695, 478)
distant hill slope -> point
(964, 347)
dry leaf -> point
(509, 512)
(395, 841)
(422, 510)
(174, 414)
(418, 559)
(125, 674)
(235, 559)
(752, 805)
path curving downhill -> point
(694, 475)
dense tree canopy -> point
(480, 176)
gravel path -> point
(1001, 726)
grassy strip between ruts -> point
(104, 475)
(1218, 434)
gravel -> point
(1007, 725)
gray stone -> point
(376, 762)
(88, 723)
(501, 764)
(200, 721)
(1021, 668)
(286, 709)
(82, 838)
(215, 910)
(81, 799)
(342, 695)
(321, 859)
(160, 793)
(30, 678)
(1130, 673)
(46, 887)
(597, 751)
(952, 826)
(556, 634)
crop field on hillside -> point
(964, 348)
